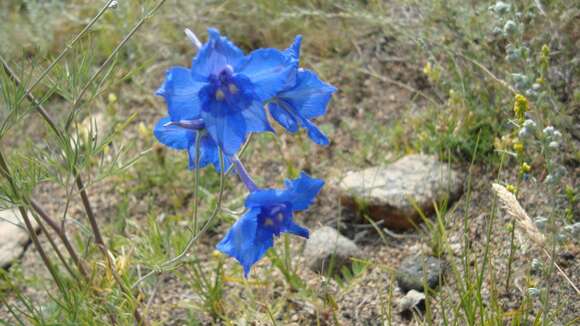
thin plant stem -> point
(511, 256)
(61, 233)
(38, 246)
(39, 107)
(67, 48)
(76, 103)
(89, 211)
(55, 248)
(189, 245)
(52, 124)
(103, 247)
(196, 180)
(561, 271)
(110, 262)
(5, 171)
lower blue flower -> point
(270, 212)
(180, 137)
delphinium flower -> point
(225, 90)
(270, 212)
(301, 100)
(221, 99)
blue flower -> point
(270, 212)
(302, 100)
(227, 89)
(181, 135)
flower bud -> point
(536, 266)
(530, 124)
(500, 8)
(510, 27)
(548, 131)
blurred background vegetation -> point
(439, 77)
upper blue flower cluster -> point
(222, 98)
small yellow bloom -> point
(112, 98)
(526, 167)
(520, 107)
(143, 131)
(511, 188)
(433, 73)
(519, 147)
(545, 57)
(427, 68)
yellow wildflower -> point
(511, 188)
(525, 167)
(520, 107)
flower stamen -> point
(220, 95)
(232, 88)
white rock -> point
(327, 251)
(412, 301)
(389, 193)
(13, 236)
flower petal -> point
(267, 197)
(247, 242)
(296, 229)
(310, 96)
(227, 129)
(209, 153)
(303, 190)
(180, 92)
(284, 118)
(215, 55)
(294, 50)
(256, 119)
(314, 133)
(269, 70)
(249, 105)
(173, 136)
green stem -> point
(193, 239)
(66, 49)
(196, 179)
(5, 171)
(61, 233)
(76, 103)
(511, 256)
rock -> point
(327, 251)
(414, 270)
(390, 193)
(13, 237)
(413, 301)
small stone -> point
(456, 249)
(393, 193)
(327, 251)
(13, 237)
(414, 301)
(414, 270)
